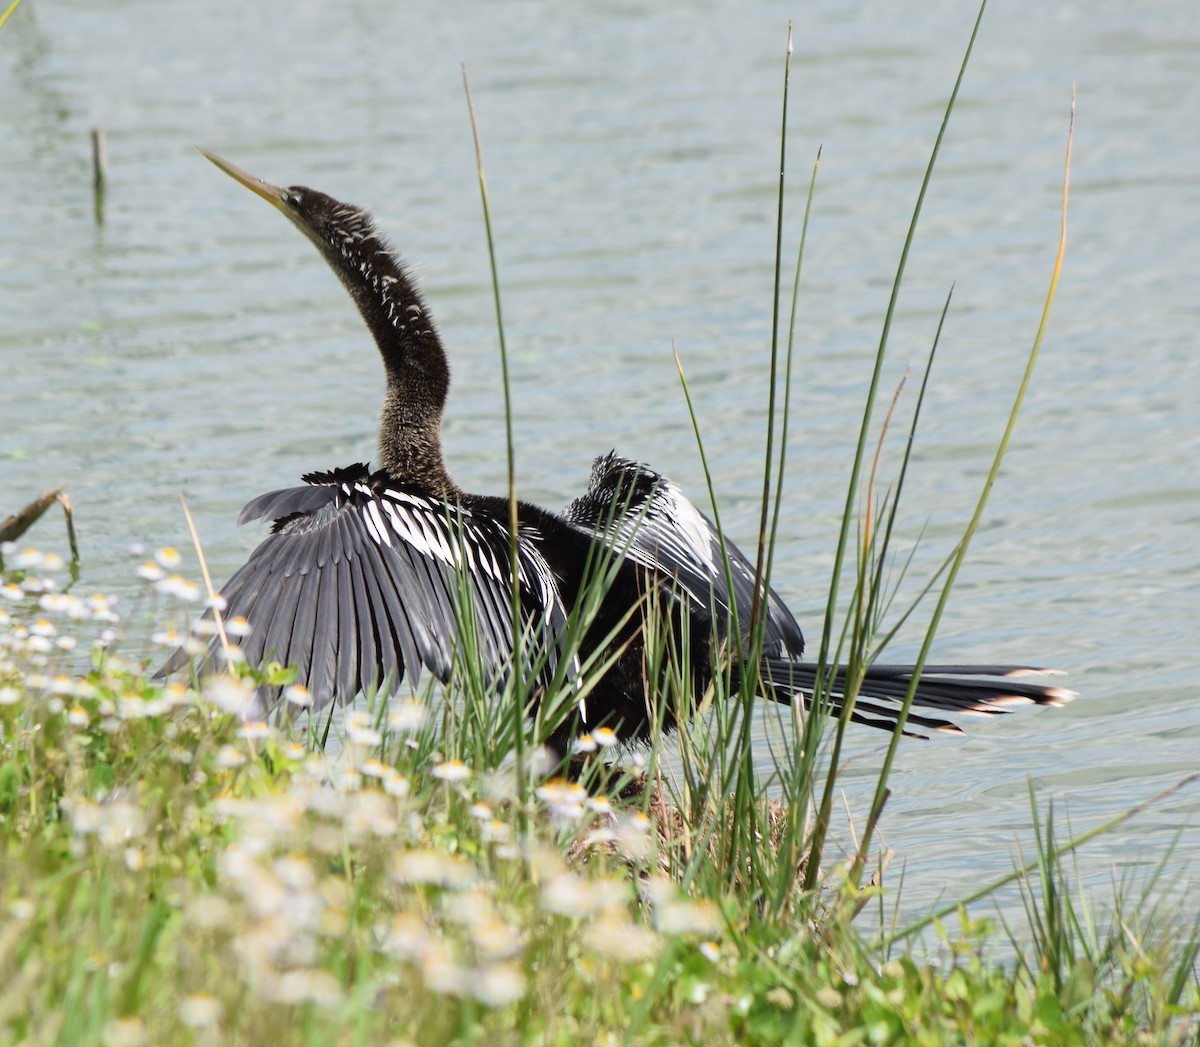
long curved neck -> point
(418, 376)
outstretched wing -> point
(646, 517)
(363, 580)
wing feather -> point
(644, 516)
(360, 584)
(350, 675)
(263, 597)
(300, 643)
(278, 640)
(393, 645)
(322, 672)
(372, 665)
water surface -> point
(192, 342)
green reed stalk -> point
(823, 662)
(760, 576)
(730, 776)
(741, 835)
(1022, 871)
(799, 780)
(517, 702)
(748, 682)
(729, 745)
(993, 472)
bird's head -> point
(330, 224)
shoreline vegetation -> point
(405, 873)
(171, 873)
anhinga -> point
(366, 573)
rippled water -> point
(193, 342)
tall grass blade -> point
(1001, 450)
(1022, 871)
(798, 780)
(823, 659)
(218, 616)
(514, 699)
(760, 578)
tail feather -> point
(986, 690)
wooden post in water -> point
(99, 172)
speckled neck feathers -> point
(418, 376)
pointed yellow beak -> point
(271, 193)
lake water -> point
(193, 342)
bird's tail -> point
(988, 690)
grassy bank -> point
(169, 873)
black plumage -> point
(368, 577)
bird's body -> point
(372, 576)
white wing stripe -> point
(370, 525)
(384, 532)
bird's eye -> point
(291, 198)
